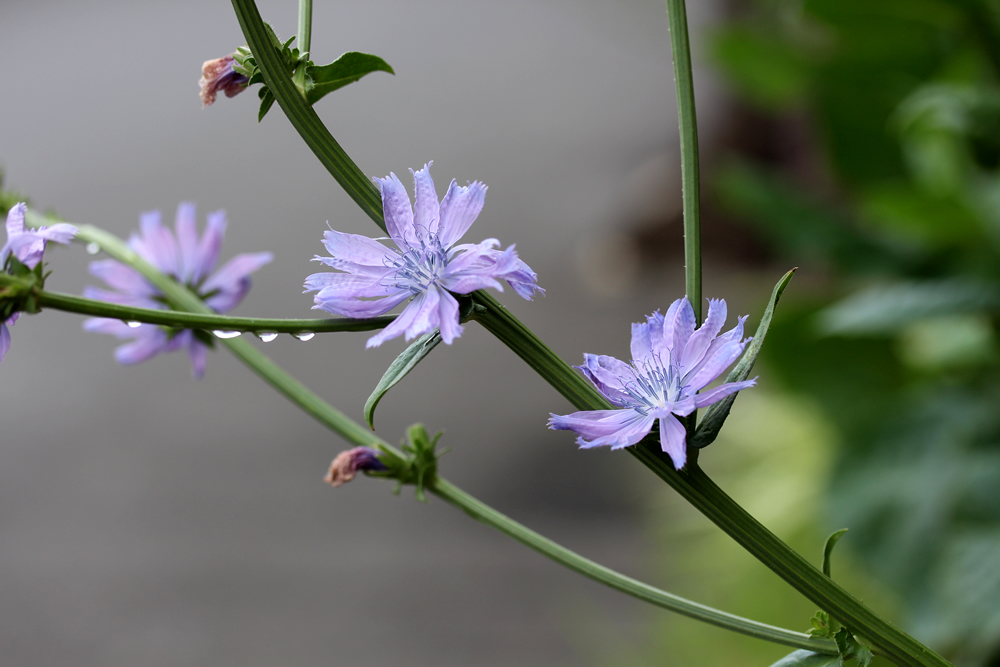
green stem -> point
(214, 322)
(180, 296)
(588, 568)
(690, 175)
(304, 37)
(303, 117)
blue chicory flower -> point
(671, 362)
(427, 266)
(187, 259)
(28, 246)
(218, 76)
(347, 464)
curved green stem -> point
(680, 46)
(304, 37)
(304, 118)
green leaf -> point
(266, 100)
(887, 309)
(403, 364)
(715, 417)
(828, 549)
(346, 69)
(850, 648)
(803, 658)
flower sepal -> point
(416, 466)
(18, 284)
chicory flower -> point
(426, 264)
(187, 259)
(28, 246)
(671, 362)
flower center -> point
(417, 268)
(653, 385)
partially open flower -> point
(347, 464)
(28, 246)
(219, 76)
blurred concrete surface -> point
(150, 519)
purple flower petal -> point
(210, 246)
(4, 339)
(233, 277)
(186, 226)
(609, 375)
(701, 339)
(642, 349)
(597, 428)
(15, 220)
(360, 253)
(121, 277)
(401, 324)
(459, 209)
(718, 393)
(145, 346)
(448, 317)
(426, 209)
(673, 440)
(397, 211)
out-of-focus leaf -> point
(346, 69)
(887, 309)
(803, 658)
(802, 229)
(402, 365)
(922, 217)
(828, 549)
(715, 416)
(767, 70)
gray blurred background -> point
(147, 518)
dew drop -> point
(93, 248)
(267, 336)
(305, 335)
(134, 325)
(227, 334)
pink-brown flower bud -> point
(219, 76)
(347, 464)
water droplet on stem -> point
(227, 334)
(267, 336)
(304, 335)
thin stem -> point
(305, 25)
(214, 322)
(304, 118)
(588, 568)
(690, 175)
(304, 37)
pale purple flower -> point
(426, 266)
(219, 76)
(28, 246)
(187, 259)
(671, 362)
(347, 464)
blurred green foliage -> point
(899, 348)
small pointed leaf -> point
(403, 364)
(803, 658)
(716, 415)
(828, 549)
(266, 100)
(346, 69)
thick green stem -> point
(690, 175)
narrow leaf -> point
(346, 69)
(266, 100)
(828, 549)
(715, 416)
(403, 364)
(803, 658)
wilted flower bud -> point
(347, 464)
(218, 75)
